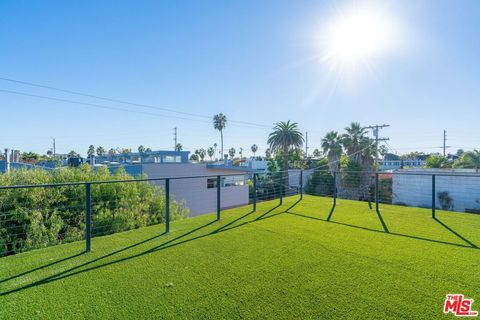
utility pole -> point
(175, 138)
(306, 144)
(375, 129)
(444, 142)
(54, 150)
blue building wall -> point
(18, 165)
(135, 170)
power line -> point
(100, 106)
(125, 102)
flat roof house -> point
(198, 194)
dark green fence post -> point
(301, 184)
(334, 188)
(433, 196)
(254, 192)
(218, 197)
(167, 205)
(88, 217)
(281, 188)
(377, 191)
(334, 196)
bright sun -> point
(358, 36)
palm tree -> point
(141, 149)
(367, 153)
(332, 147)
(215, 145)
(268, 153)
(470, 159)
(254, 149)
(91, 151)
(285, 136)
(382, 150)
(317, 153)
(210, 152)
(178, 147)
(436, 161)
(71, 154)
(100, 151)
(352, 140)
(201, 154)
(219, 123)
(232, 152)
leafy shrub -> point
(446, 202)
(352, 174)
(37, 217)
(320, 183)
(385, 190)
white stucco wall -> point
(294, 177)
(416, 190)
(194, 192)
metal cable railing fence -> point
(36, 216)
(435, 190)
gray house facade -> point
(200, 194)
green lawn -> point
(281, 262)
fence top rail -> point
(79, 183)
(414, 173)
(440, 174)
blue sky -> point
(251, 60)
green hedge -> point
(320, 183)
(38, 217)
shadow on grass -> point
(331, 210)
(470, 246)
(42, 267)
(293, 205)
(238, 219)
(384, 225)
(168, 244)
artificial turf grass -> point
(279, 262)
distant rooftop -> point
(160, 156)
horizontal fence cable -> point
(35, 216)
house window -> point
(232, 181)
(211, 183)
(172, 159)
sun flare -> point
(358, 36)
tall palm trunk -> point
(284, 175)
(221, 141)
(334, 169)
